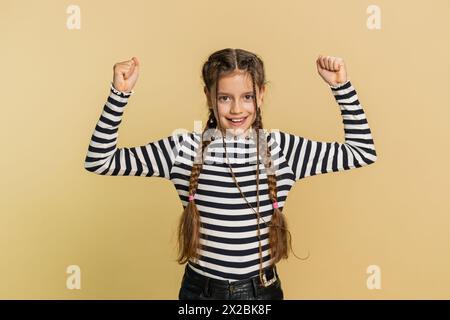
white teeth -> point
(237, 120)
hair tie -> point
(191, 197)
(275, 204)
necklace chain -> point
(257, 201)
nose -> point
(236, 108)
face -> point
(236, 101)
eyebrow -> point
(248, 92)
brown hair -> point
(220, 63)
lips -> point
(237, 123)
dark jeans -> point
(195, 286)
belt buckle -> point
(268, 283)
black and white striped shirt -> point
(229, 226)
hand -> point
(331, 69)
(126, 74)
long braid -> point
(277, 225)
(190, 223)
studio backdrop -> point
(375, 232)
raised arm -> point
(104, 158)
(308, 157)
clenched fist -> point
(126, 74)
(331, 69)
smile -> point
(237, 122)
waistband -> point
(270, 274)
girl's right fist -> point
(126, 74)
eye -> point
(247, 96)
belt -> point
(270, 276)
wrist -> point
(336, 85)
(119, 92)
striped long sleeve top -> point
(229, 226)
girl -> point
(234, 177)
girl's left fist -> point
(331, 69)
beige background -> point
(121, 230)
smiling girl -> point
(233, 178)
